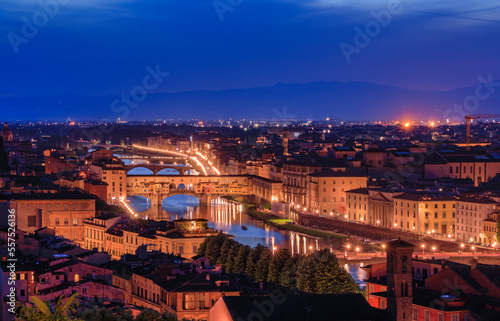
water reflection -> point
(357, 273)
(228, 217)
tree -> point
(288, 277)
(305, 274)
(224, 251)
(97, 314)
(327, 275)
(253, 257)
(214, 246)
(46, 311)
(241, 259)
(262, 266)
(202, 248)
(232, 256)
(276, 265)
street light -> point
(423, 248)
(462, 247)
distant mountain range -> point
(314, 100)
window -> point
(57, 222)
(66, 206)
(415, 313)
(47, 207)
(57, 207)
(84, 207)
(440, 317)
(382, 304)
(189, 302)
(427, 315)
(32, 220)
(66, 221)
(75, 206)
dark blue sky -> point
(95, 47)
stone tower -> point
(399, 279)
(285, 141)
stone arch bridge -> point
(205, 188)
(155, 168)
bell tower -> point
(285, 141)
(399, 279)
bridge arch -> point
(139, 170)
(168, 171)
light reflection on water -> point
(232, 219)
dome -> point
(7, 133)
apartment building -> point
(425, 213)
(62, 211)
(471, 214)
(326, 191)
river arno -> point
(232, 219)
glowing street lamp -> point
(462, 247)
(423, 248)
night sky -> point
(97, 47)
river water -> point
(232, 219)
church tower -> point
(399, 279)
(285, 141)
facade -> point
(64, 212)
(479, 168)
(399, 280)
(471, 214)
(116, 178)
(111, 235)
(266, 189)
(425, 213)
(326, 191)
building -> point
(480, 168)
(119, 237)
(471, 214)
(7, 133)
(326, 191)
(399, 280)
(63, 211)
(425, 213)
(281, 306)
(116, 178)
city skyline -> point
(105, 48)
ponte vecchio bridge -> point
(205, 188)
(155, 168)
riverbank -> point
(286, 225)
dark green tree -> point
(241, 258)
(214, 246)
(262, 266)
(224, 251)
(288, 277)
(252, 260)
(327, 275)
(202, 248)
(276, 265)
(233, 252)
(306, 271)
